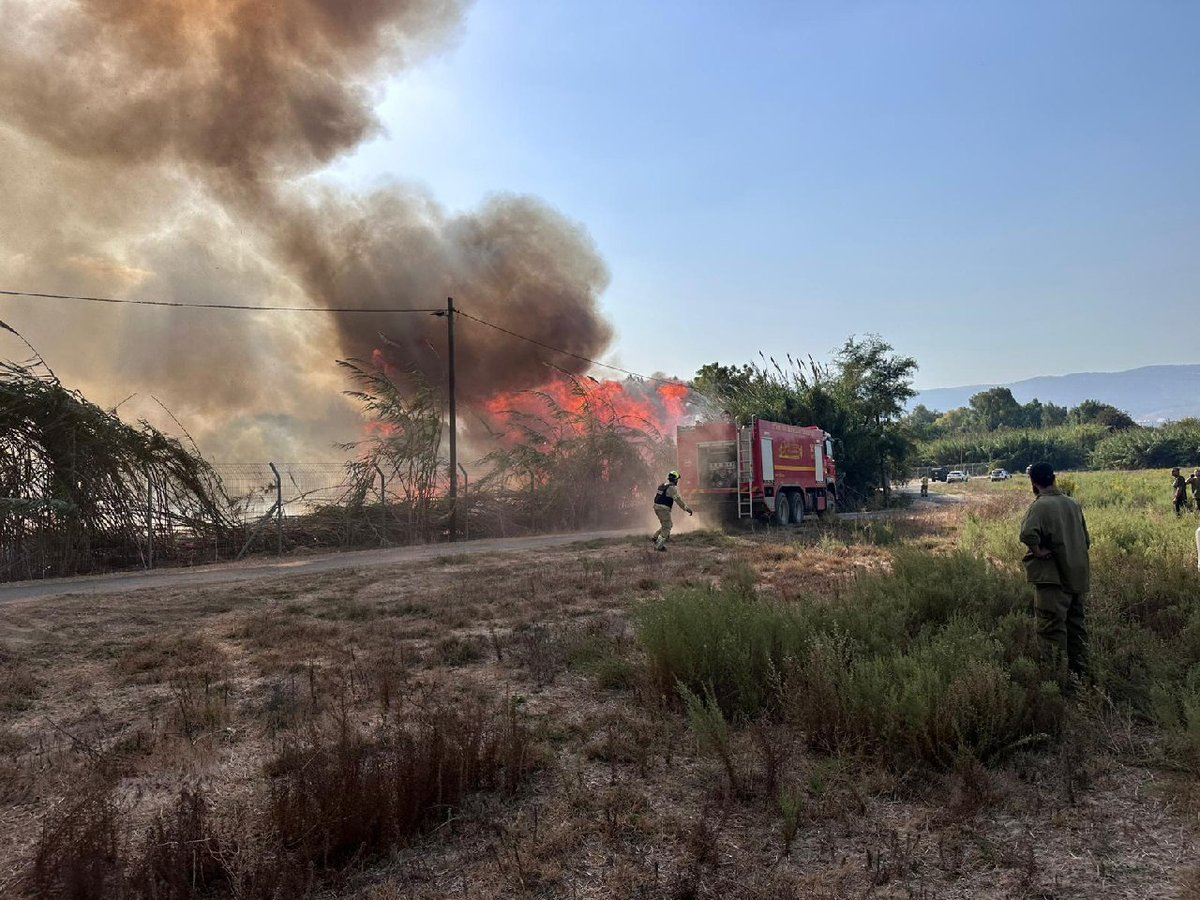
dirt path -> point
(250, 570)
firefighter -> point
(1178, 491)
(1057, 565)
(668, 495)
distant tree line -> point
(994, 428)
(996, 409)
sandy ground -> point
(309, 564)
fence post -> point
(466, 505)
(149, 520)
(382, 508)
(278, 511)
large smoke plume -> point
(171, 148)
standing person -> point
(668, 495)
(924, 485)
(1178, 491)
(1057, 565)
(1194, 481)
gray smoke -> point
(165, 149)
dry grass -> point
(182, 714)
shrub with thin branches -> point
(75, 482)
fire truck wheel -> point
(783, 511)
(830, 509)
(797, 501)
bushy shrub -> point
(723, 640)
(937, 660)
(1174, 444)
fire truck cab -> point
(764, 470)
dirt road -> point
(249, 570)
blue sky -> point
(1001, 190)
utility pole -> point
(453, 423)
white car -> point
(1000, 475)
(954, 476)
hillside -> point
(1150, 394)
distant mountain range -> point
(1151, 394)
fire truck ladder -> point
(745, 470)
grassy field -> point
(845, 710)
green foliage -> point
(711, 729)
(720, 640)
(996, 409)
(1067, 447)
(1175, 444)
(936, 660)
(1093, 412)
(859, 398)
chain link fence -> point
(274, 508)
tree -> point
(922, 422)
(874, 385)
(1036, 414)
(1053, 415)
(859, 398)
(996, 408)
(1094, 412)
(956, 421)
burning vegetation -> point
(582, 453)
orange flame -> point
(653, 410)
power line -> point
(336, 309)
(238, 306)
(563, 352)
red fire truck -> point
(761, 470)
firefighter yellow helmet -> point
(673, 475)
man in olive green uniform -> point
(1178, 491)
(1057, 565)
(1194, 481)
(666, 497)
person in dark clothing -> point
(1058, 566)
(1178, 491)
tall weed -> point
(934, 661)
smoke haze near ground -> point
(172, 150)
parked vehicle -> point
(955, 475)
(939, 473)
(764, 470)
(1000, 475)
